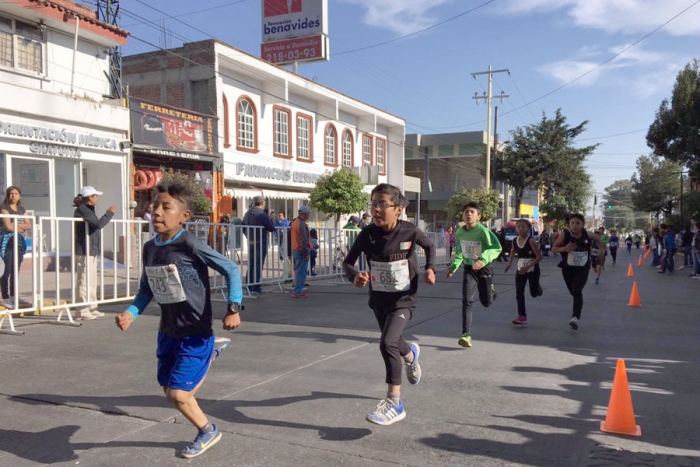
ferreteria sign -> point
(48, 141)
(271, 173)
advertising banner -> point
(287, 19)
(160, 129)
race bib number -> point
(165, 284)
(470, 250)
(524, 262)
(391, 277)
(577, 258)
(613, 244)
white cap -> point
(89, 191)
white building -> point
(57, 130)
(278, 131)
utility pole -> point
(487, 97)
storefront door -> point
(31, 175)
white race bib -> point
(165, 284)
(390, 277)
(577, 258)
(470, 250)
(613, 244)
(524, 262)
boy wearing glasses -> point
(388, 244)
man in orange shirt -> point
(301, 246)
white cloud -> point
(400, 16)
(618, 16)
(567, 70)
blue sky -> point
(426, 78)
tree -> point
(570, 195)
(675, 132)
(201, 204)
(487, 199)
(337, 193)
(618, 210)
(543, 154)
(656, 184)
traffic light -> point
(610, 206)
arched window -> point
(347, 149)
(227, 141)
(331, 146)
(247, 125)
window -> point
(247, 125)
(347, 149)
(381, 156)
(227, 140)
(304, 138)
(21, 46)
(330, 145)
(366, 150)
(283, 138)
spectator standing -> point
(670, 247)
(313, 253)
(352, 229)
(696, 251)
(366, 220)
(450, 238)
(687, 243)
(281, 231)
(87, 247)
(9, 235)
(301, 248)
(257, 241)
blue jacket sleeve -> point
(142, 298)
(223, 266)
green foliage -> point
(339, 192)
(656, 184)
(543, 155)
(488, 199)
(619, 210)
(201, 204)
(675, 132)
(691, 205)
(569, 197)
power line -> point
(195, 12)
(615, 135)
(414, 32)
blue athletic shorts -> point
(183, 362)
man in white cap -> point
(88, 248)
(301, 247)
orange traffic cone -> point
(620, 417)
(639, 263)
(634, 296)
(630, 271)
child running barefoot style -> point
(575, 245)
(176, 273)
(527, 251)
(388, 244)
(476, 248)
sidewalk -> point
(293, 387)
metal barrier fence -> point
(263, 258)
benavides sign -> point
(286, 19)
(160, 129)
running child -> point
(476, 248)
(613, 245)
(596, 263)
(175, 272)
(628, 242)
(575, 246)
(388, 244)
(527, 251)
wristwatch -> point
(234, 308)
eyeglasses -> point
(381, 206)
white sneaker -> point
(86, 317)
(7, 303)
(97, 314)
(573, 324)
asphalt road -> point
(295, 384)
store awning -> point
(242, 192)
(269, 194)
(278, 194)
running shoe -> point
(413, 371)
(86, 317)
(220, 343)
(520, 321)
(597, 281)
(201, 443)
(493, 291)
(97, 314)
(300, 295)
(7, 303)
(387, 413)
(573, 324)
(465, 340)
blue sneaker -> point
(220, 343)
(201, 443)
(387, 413)
(413, 371)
